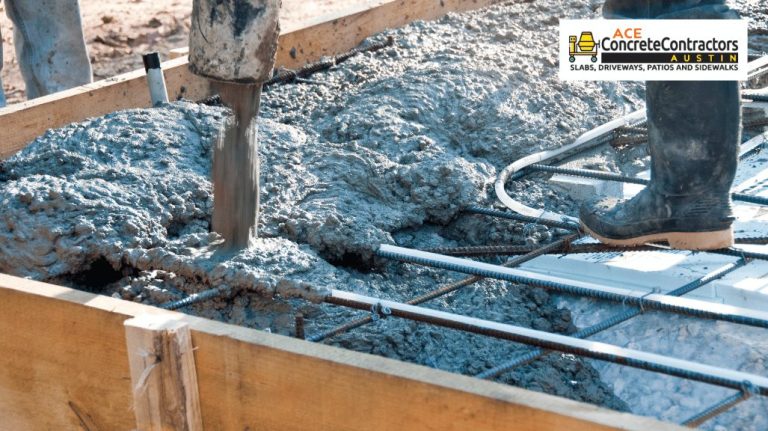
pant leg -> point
(2, 94)
(50, 45)
(639, 9)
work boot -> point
(694, 132)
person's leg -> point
(646, 9)
(49, 45)
(694, 132)
(626, 9)
(694, 135)
(2, 93)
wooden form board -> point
(64, 365)
(300, 43)
(163, 374)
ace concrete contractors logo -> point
(653, 50)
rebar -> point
(519, 217)
(608, 176)
(587, 173)
(548, 341)
(299, 326)
(621, 141)
(756, 97)
(198, 297)
(658, 302)
(638, 129)
(717, 409)
(512, 250)
(610, 322)
(285, 76)
(761, 122)
(444, 289)
(597, 248)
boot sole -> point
(714, 240)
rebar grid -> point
(625, 135)
(610, 322)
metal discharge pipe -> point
(233, 44)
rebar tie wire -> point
(745, 393)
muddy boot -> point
(694, 134)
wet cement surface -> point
(386, 148)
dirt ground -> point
(119, 31)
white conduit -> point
(521, 164)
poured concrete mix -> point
(387, 148)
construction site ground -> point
(118, 32)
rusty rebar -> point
(446, 288)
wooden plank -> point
(341, 34)
(163, 374)
(62, 347)
(300, 43)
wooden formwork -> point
(65, 363)
(68, 361)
